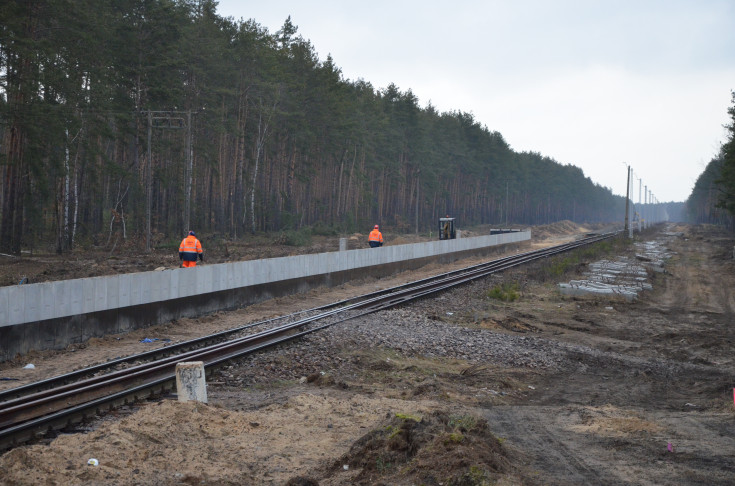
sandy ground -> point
(645, 397)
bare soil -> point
(641, 393)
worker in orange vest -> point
(375, 238)
(189, 250)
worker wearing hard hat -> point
(189, 250)
(375, 238)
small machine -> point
(446, 229)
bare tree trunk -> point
(243, 110)
(258, 151)
(263, 126)
(76, 203)
(11, 225)
(418, 189)
(67, 177)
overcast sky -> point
(596, 84)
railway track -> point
(30, 411)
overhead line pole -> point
(627, 201)
(148, 189)
(170, 120)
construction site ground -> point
(461, 389)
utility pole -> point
(652, 210)
(169, 120)
(418, 188)
(148, 191)
(506, 204)
(645, 202)
(640, 206)
(189, 171)
(627, 201)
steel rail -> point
(397, 293)
(179, 348)
(25, 415)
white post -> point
(343, 244)
(191, 384)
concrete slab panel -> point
(332, 264)
(136, 292)
(31, 335)
(272, 272)
(61, 298)
(187, 282)
(145, 286)
(113, 292)
(154, 290)
(246, 274)
(11, 336)
(308, 267)
(256, 273)
(91, 327)
(66, 331)
(219, 277)
(159, 286)
(322, 262)
(352, 259)
(32, 307)
(4, 311)
(213, 278)
(230, 277)
(100, 293)
(45, 334)
(76, 294)
(123, 284)
(204, 280)
(16, 304)
(173, 283)
(242, 275)
(88, 295)
(295, 267)
(403, 253)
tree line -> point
(712, 199)
(146, 118)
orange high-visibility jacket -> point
(376, 235)
(190, 248)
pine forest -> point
(712, 200)
(154, 117)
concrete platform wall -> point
(52, 315)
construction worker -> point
(376, 238)
(189, 250)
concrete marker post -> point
(191, 382)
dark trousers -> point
(375, 244)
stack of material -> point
(624, 277)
